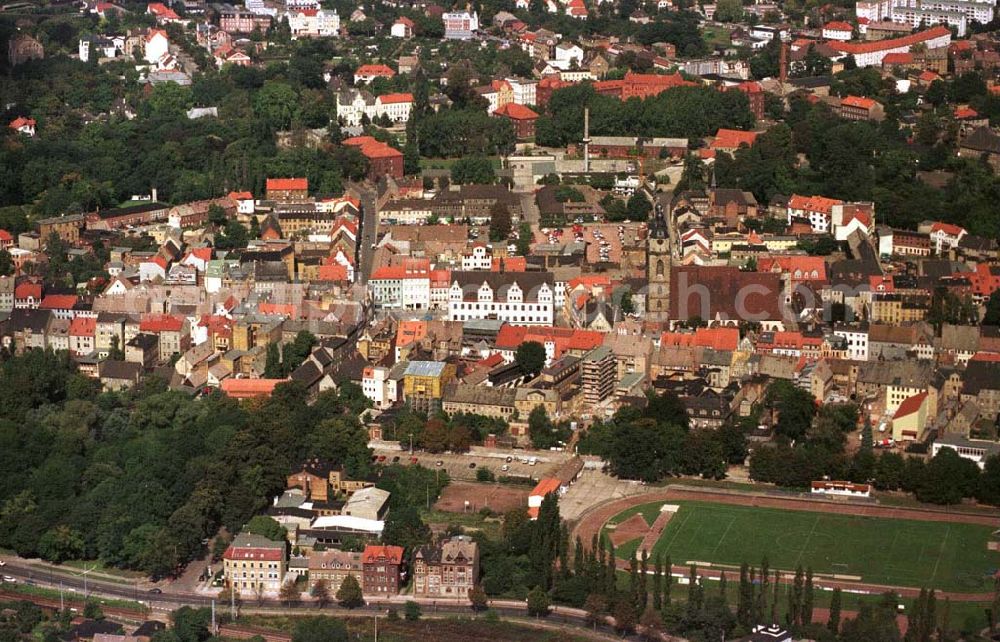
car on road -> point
(2, 563)
(439, 463)
(472, 464)
(509, 459)
(9, 578)
(395, 459)
(505, 468)
(413, 460)
(155, 591)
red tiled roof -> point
(516, 112)
(732, 139)
(405, 21)
(855, 48)
(157, 323)
(59, 302)
(83, 326)
(152, 33)
(813, 203)
(837, 26)
(391, 99)
(910, 405)
(965, 112)
(333, 272)
(899, 58)
(288, 183)
(241, 196)
(21, 121)
(5, 235)
(859, 102)
(801, 268)
(243, 388)
(374, 70)
(388, 554)
(545, 486)
(28, 290)
(947, 228)
(722, 338)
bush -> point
(411, 611)
(485, 475)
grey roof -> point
(425, 368)
(478, 395)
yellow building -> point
(424, 382)
(910, 420)
(254, 564)
(251, 333)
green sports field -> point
(951, 557)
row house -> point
(558, 342)
(173, 332)
(254, 564)
(354, 105)
(893, 242)
(314, 23)
(817, 210)
(870, 54)
(239, 20)
(527, 298)
(449, 569)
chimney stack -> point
(586, 140)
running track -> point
(593, 521)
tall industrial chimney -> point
(586, 140)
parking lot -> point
(604, 240)
(513, 463)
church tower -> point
(658, 253)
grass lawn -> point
(882, 551)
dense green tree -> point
(530, 357)
(266, 527)
(349, 594)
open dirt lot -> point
(498, 497)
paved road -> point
(78, 587)
(368, 233)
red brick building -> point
(522, 117)
(381, 569)
(646, 85)
(382, 159)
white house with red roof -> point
(577, 9)
(402, 28)
(153, 269)
(365, 74)
(23, 125)
(848, 218)
(836, 30)
(946, 236)
(871, 53)
(163, 13)
(62, 306)
(198, 258)
(156, 45)
(244, 202)
(27, 296)
(6, 240)
(817, 209)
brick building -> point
(382, 569)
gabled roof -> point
(374, 70)
(910, 405)
(516, 112)
(859, 102)
(732, 139)
(288, 184)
